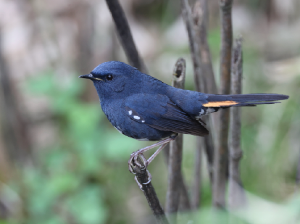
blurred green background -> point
(62, 162)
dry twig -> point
(196, 186)
(200, 11)
(125, 35)
(142, 176)
(193, 41)
(221, 152)
(200, 86)
(204, 82)
(237, 197)
(200, 15)
(176, 186)
(194, 44)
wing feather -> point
(159, 112)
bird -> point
(147, 109)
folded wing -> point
(159, 112)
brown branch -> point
(200, 11)
(196, 27)
(237, 197)
(196, 187)
(194, 46)
(184, 203)
(221, 153)
(200, 15)
(125, 35)
(226, 45)
(142, 176)
(200, 86)
(176, 185)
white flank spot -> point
(130, 112)
(202, 111)
(143, 121)
(136, 117)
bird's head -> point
(114, 79)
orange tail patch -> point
(220, 103)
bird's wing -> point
(159, 112)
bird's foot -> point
(137, 160)
(134, 161)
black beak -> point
(88, 76)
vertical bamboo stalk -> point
(194, 45)
(237, 197)
(221, 152)
(175, 154)
(203, 73)
(196, 185)
(200, 11)
(200, 16)
(200, 86)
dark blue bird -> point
(144, 108)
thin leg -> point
(156, 153)
(134, 156)
(145, 161)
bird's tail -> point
(239, 100)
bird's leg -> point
(156, 153)
(145, 161)
(133, 157)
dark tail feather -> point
(243, 100)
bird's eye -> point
(109, 77)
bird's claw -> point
(133, 161)
(144, 160)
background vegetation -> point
(60, 159)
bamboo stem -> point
(176, 185)
(221, 152)
(237, 197)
